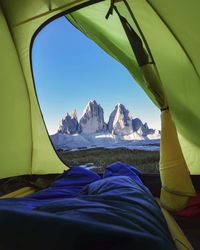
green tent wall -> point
(172, 33)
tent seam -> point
(45, 13)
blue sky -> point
(70, 69)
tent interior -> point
(155, 41)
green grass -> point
(145, 161)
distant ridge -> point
(92, 131)
(92, 121)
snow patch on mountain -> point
(68, 142)
(78, 141)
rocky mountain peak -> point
(92, 109)
(92, 120)
(69, 125)
(120, 121)
(142, 129)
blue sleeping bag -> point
(81, 210)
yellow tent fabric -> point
(176, 183)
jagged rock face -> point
(92, 120)
(120, 121)
(140, 128)
(69, 125)
(146, 130)
(92, 131)
(137, 124)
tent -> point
(157, 41)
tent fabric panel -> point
(184, 24)
(191, 154)
(178, 78)
(15, 132)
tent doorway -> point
(90, 103)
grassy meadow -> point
(145, 161)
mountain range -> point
(92, 130)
